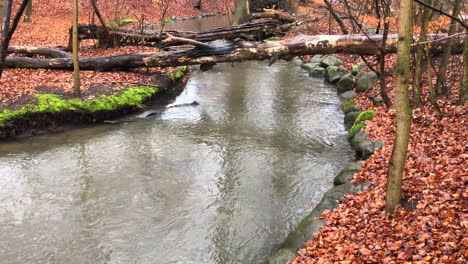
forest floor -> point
(51, 21)
(431, 226)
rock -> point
(297, 61)
(348, 105)
(303, 233)
(330, 61)
(348, 94)
(378, 144)
(365, 81)
(359, 137)
(358, 67)
(317, 59)
(282, 256)
(317, 72)
(376, 100)
(350, 118)
(347, 173)
(365, 149)
(309, 66)
(346, 83)
(333, 74)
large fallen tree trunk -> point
(273, 50)
(256, 29)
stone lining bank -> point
(329, 68)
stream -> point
(223, 182)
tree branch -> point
(440, 11)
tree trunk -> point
(292, 6)
(101, 19)
(403, 110)
(76, 46)
(8, 30)
(464, 85)
(336, 17)
(441, 87)
(242, 8)
(426, 15)
(5, 29)
(27, 18)
(383, 75)
(432, 93)
(227, 52)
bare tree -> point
(9, 29)
(164, 6)
(425, 18)
(441, 88)
(76, 45)
(403, 110)
(464, 85)
(27, 18)
(242, 8)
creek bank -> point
(347, 86)
(52, 112)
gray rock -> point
(303, 233)
(297, 61)
(317, 72)
(376, 100)
(330, 61)
(358, 67)
(365, 149)
(282, 256)
(347, 173)
(378, 144)
(359, 137)
(350, 118)
(333, 74)
(317, 58)
(365, 81)
(346, 83)
(348, 94)
(309, 226)
(309, 66)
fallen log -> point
(286, 49)
(46, 52)
(266, 27)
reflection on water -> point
(223, 182)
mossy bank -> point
(50, 111)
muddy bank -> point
(56, 110)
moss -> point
(274, 38)
(349, 106)
(51, 103)
(366, 115)
(179, 73)
(358, 124)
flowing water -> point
(223, 182)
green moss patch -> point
(179, 73)
(349, 106)
(358, 124)
(50, 103)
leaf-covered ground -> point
(432, 224)
(51, 21)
